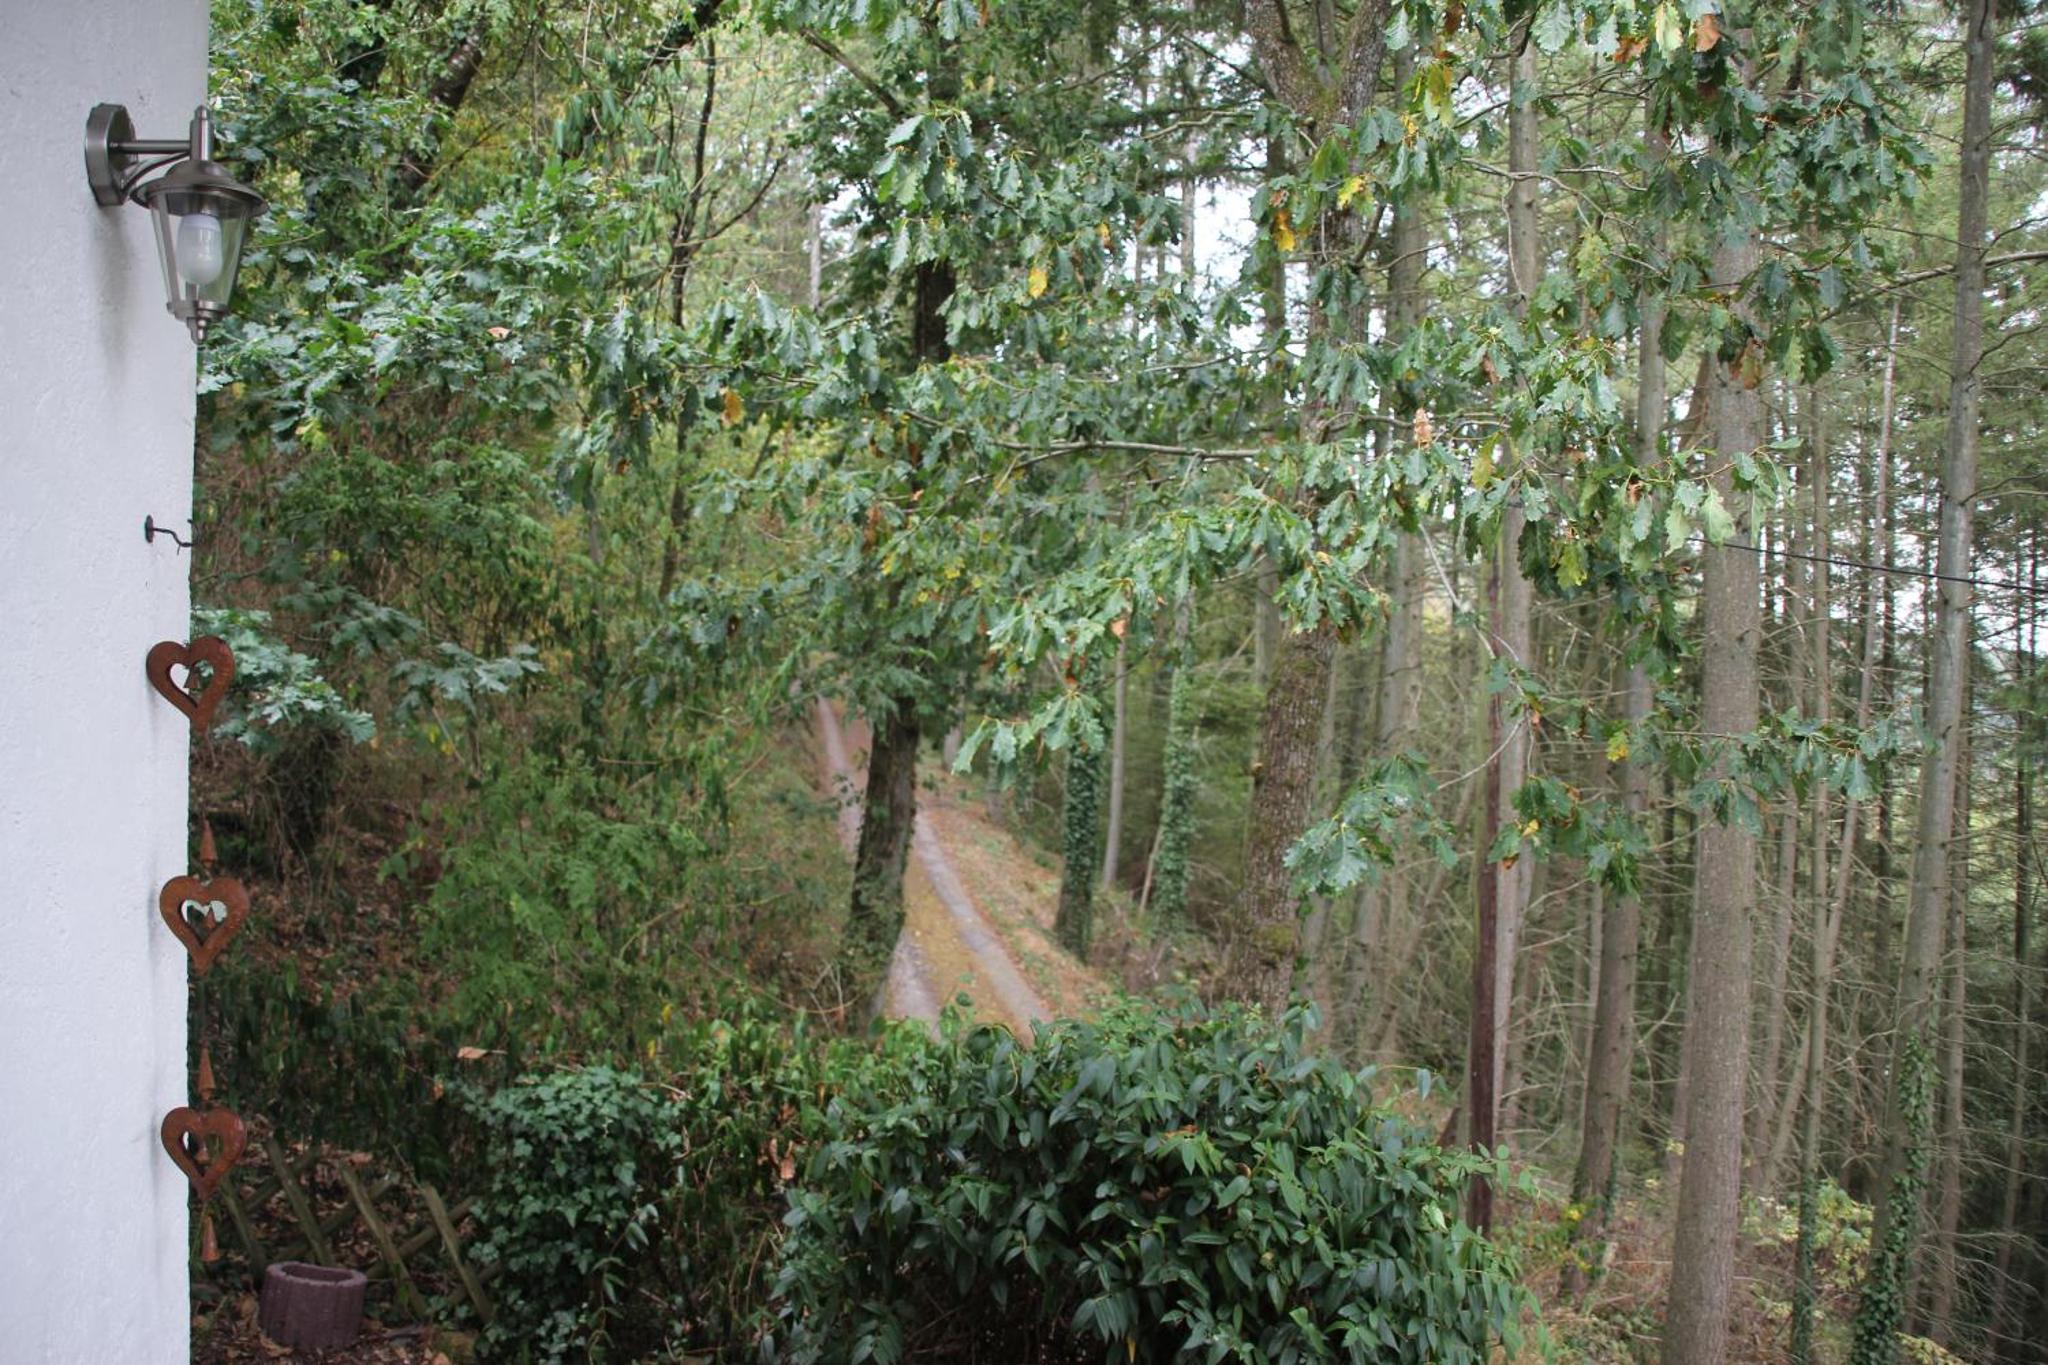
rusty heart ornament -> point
(219, 903)
(207, 649)
(202, 1164)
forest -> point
(1070, 680)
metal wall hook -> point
(150, 531)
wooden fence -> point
(422, 1225)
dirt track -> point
(947, 944)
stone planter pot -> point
(312, 1305)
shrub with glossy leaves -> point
(1145, 1188)
(577, 1168)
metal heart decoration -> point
(207, 649)
(186, 1134)
(218, 904)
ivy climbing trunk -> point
(1909, 1094)
(1168, 896)
(1113, 833)
(1081, 817)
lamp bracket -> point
(112, 150)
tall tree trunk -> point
(1380, 909)
(1829, 911)
(1081, 816)
(889, 805)
(1717, 1024)
(888, 816)
(1614, 1005)
(1113, 835)
(2003, 1318)
(1264, 933)
(1609, 1058)
(685, 242)
(1266, 623)
(1167, 881)
(1771, 1003)
(1906, 1121)
(1261, 951)
(1944, 1267)
(1504, 889)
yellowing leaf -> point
(731, 409)
(1436, 91)
(1482, 468)
(1349, 191)
(1037, 281)
(1283, 230)
(1617, 747)
(1670, 32)
(1102, 235)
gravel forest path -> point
(949, 944)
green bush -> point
(575, 1170)
(1147, 1188)
(630, 1218)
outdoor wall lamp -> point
(202, 213)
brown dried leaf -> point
(1706, 33)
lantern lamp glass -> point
(202, 217)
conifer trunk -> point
(2002, 1317)
(1830, 909)
(1906, 1119)
(1613, 1044)
(1608, 1059)
(1716, 1046)
(1948, 1217)
(1504, 888)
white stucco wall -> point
(96, 403)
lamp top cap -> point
(202, 187)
